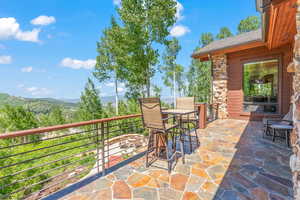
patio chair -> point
(188, 103)
(286, 120)
(159, 131)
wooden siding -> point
(235, 79)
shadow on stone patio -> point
(232, 162)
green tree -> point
(146, 24)
(55, 117)
(90, 106)
(14, 118)
(110, 58)
(156, 90)
(173, 73)
(251, 23)
(224, 33)
(206, 38)
(199, 80)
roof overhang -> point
(278, 28)
(229, 49)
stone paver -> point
(232, 162)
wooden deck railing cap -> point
(63, 126)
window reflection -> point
(260, 85)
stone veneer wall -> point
(295, 136)
(220, 89)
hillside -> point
(37, 105)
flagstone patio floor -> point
(233, 162)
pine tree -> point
(90, 106)
(251, 23)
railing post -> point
(107, 137)
(103, 148)
(97, 146)
(202, 115)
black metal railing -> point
(35, 163)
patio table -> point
(283, 127)
(179, 113)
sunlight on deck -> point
(232, 162)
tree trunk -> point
(174, 88)
(116, 97)
(116, 94)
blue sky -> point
(48, 48)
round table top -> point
(281, 126)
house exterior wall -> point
(236, 61)
(295, 141)
(220, 90)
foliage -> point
(251, 23)
(206, 38)
(199, 80)
(16, 118)
(55, 117)
(173, 73)
(156, 90)
(37, 105)
(224, 33)
(90, 106)
(145, 23)
(110, 63)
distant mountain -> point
(37, 105)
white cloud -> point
(27, 69)
(78, 64)
(5, 59)
(43, 20)
(111, 84)
(179, 30)
(117, 2)
(36, 91)
(179, 10)
(120, 89)
(10, 29)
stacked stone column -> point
(295, 137)
(220, 90)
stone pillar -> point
(295, 141)
(220, 89)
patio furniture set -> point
(279, 127)
(168, 128)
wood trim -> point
(280, 74)
(205, 56)
(64, 126)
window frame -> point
(262, 59)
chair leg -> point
(150, 142)
(287, 138)
(198, 144)
(181, 139)
(190, 137)
(273, 130)
(168, 159)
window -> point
(260, 85)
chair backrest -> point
(186, 103)
(151, 111)
(289, 115)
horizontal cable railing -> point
(35, 163)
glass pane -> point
(260, 84)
